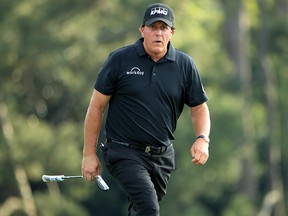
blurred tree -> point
(237, 41)
(274, 197)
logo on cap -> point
(159, 10)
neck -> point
(153, 55)
(155, 58)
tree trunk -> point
(20, 173)
(275, 205)
(236, 39)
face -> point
(156, 38)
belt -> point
(146, 148)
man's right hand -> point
(90, 167)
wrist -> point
(205, 138)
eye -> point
(152, 26)
(164, 27)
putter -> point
(58, 178)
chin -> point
(158, 50)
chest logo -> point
(135, 71)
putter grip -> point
(55, 178)
(101, 183)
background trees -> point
(51, 52)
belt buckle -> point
(147, 149)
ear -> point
(172, 31)
(141, 29)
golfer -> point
(146, 86)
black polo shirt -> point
(147, 97)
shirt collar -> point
(170, 55)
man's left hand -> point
(200, 152)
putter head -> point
(101, 183)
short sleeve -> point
(107, 77)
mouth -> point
(158, 42)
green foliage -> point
(58, 205)
(50, 55)
(240, 206)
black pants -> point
(142, 175)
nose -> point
(158, 31)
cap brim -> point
(150, 21)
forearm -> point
(201, 124)
(92, 126)
(93, 122)
(201, 119)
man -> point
(146, 86)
